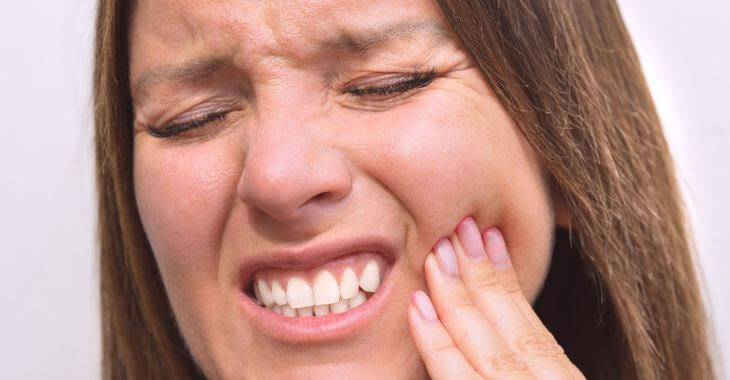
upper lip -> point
(314, 255)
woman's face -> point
(299, 142)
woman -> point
(386, 190)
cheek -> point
(455, 158)
(184, 195)
(429, 161)
(435, 158)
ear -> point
(561, 213)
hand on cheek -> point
(480, 325)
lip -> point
(322, 328)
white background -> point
(49, 325)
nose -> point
(290, 171)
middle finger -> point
(496, 301)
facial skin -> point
(298, 160)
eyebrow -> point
(369, 39)
(358, 42)
(186, 72)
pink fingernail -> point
(470, 238)
(496, 248)
(424, 306)
(446, 259)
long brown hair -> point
(567, 73)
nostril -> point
(279, 183)
(321, 196)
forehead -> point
(167, 31)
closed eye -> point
(393, 86)
(379, 89)
(175, 129)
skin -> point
(297, 159)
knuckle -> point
(510, 284)
(460, 301)
(456, 313)
(444, 348)
(484, 279)
(538, 344)
(503, 363)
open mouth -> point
(320, 292)
(337, 286)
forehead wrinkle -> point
(288, 45)
(201, 49)
(351, 39)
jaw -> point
(243, 349)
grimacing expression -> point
(271, 134)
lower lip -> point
(317, 329)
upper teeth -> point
(370, 277)
(349, 284)
(321, 298)
(325, 289)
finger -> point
(496, 250)
(509, 279)
(475, 337)
(438, 351)
(536, 346)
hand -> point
(482, 325)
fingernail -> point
(446, 258)
(496, 248)
(424, 306)
(470, 238)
